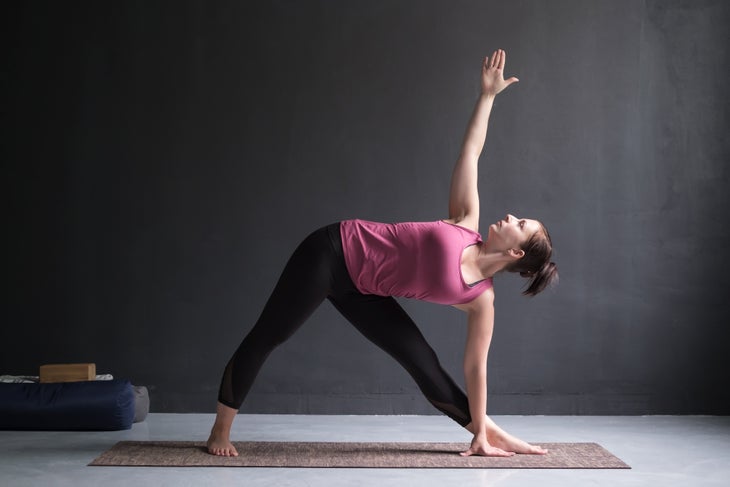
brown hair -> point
(535, 265)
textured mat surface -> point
(348, 455)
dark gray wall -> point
(162, 160)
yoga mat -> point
(348, 455)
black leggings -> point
(317, 271)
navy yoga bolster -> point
(88, 405)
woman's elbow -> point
(475, 368)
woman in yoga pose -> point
(360, 266)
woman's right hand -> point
(480, 446)
(493, 81)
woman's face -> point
(511, 232)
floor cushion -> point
(141, 403)
(88, 405)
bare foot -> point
(507, 442)
(221, 446)
(219, 442)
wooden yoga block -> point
(67, 372)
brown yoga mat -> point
(348, 455)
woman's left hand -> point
(493, 81)
(480, 446)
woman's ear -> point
(516, 253)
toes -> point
(223, 451)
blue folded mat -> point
(88, 405)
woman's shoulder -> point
(465, 224)
(483, 302)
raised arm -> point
(464, 194)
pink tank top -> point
(420, 260)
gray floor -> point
(663, 451)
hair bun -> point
(539, 280)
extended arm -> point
(464, 194)
(480, 322)
(489, 439)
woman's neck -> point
(490, 261)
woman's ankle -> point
(491, 427)
(224, 420)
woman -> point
(359, 266)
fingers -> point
(497, 60)
(494, 62)
(469, 452)
(491, 452)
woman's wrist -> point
(478, 428)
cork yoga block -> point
(67, 372)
